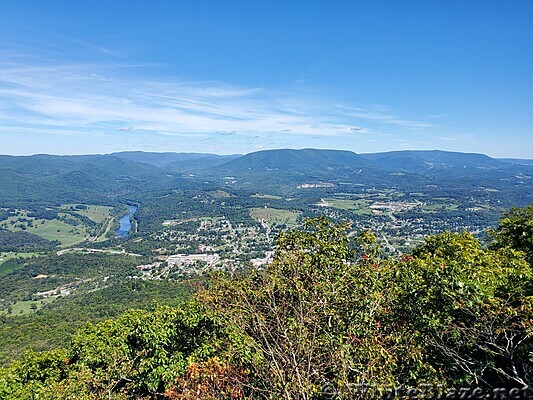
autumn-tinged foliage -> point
(327, 311)
(209, 380)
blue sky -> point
(239, 76)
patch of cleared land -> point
(273, 216)
(25, 306)
(7, 267)
(48, 229)
(355, 206)
(56, 230)
(96, 213)
(219, 193)
(99, 214)
(266, 196)
(103, 231)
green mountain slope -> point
(75, 178)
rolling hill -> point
(176, 162)
(99, 178)
(75, 178)
(433, 162)
(283, 170)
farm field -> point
(48, 229)
(273, 216)
(96, 213)
(356, 206)
(104, 230)
(66, 228)
(219, 193)
(57, 230)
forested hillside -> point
(105, 179)
(330, 314)
(100, 179)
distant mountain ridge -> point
(96, 177)
(413, 161)
(422, 161)
(282, 170)
(74, 178)
(286, 169)
(284, 160)
(176, 162)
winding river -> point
(125, 222)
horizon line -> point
(257, 151)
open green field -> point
(48, 229)
(57, 230)
(99, 214)
(25, 306)
(5, 256)
(355, 206)
(96, 213)
(273, 216)
(6, 266)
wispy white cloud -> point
(113, 99)
(72, 96)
